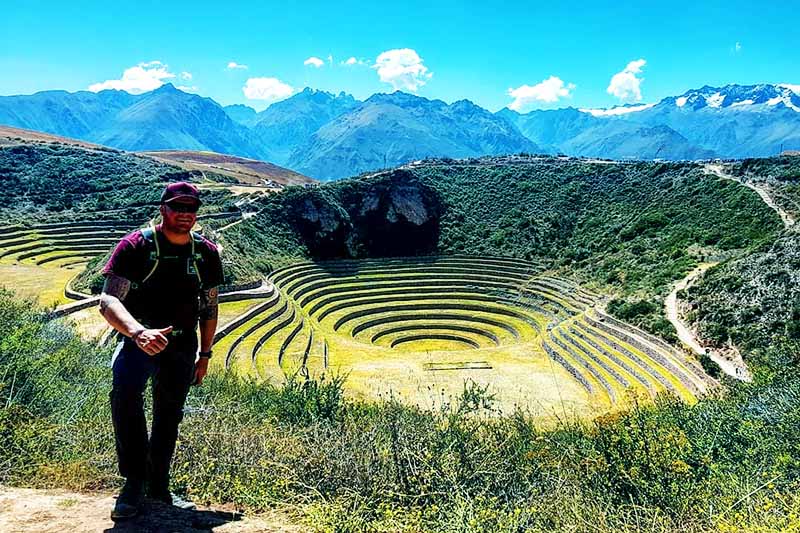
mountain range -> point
(329, 136)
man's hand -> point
(200, 371)
(152, 341)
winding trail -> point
(786, 217)
(733, 365)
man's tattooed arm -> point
(112, 308)
(115, 288)
(209, 304)
(209, 308)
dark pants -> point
(171, 371)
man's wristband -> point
(207, 354)
(136, 333)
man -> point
(159, 283)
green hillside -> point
(626, 229)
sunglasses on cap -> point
(180, 207)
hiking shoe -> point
(173, 499)
(128, 501)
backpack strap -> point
(154, 256)
(196, 256)
(149, 235)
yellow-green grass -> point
(484, 336)
(680, 357)
(520, 375)
(226, 346)
(689, 382)
(230, 310)
(604, 391)
(44, 283)
(638, 374)
(674, 383)
(240, 351)
(89, 323)
(52, 257)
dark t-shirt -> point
(170, 296)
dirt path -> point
(786, 217)
(733, 365)
(58, 511)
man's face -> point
(179, 215)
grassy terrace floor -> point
(44, 283)
(418, 328)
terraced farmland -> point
(418, 327)
(39, 260)
(62, 243)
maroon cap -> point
(180, 189)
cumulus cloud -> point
(138, 79)
(188, 88)
(402, 68)
(269, 89)
(737, 47)
(626, 85)
(550, 90)
(314, 62)
(233, 65)
(186, 75)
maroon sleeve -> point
(125, 260)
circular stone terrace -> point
(418, 328)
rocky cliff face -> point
(393, 215)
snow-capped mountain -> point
(738, 96)
(731, 121)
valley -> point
(447, 323)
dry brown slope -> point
(11, 136)
(247, 171)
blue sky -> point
(548, 54)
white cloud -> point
(233, 65)
(269, 89)
(737, 47)
(314, 62)
(550, 90)
(188, 88)
(186, 75)
(626, 85)
(139, 79)
(402, 68)
(330, 59)
(352, 61)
